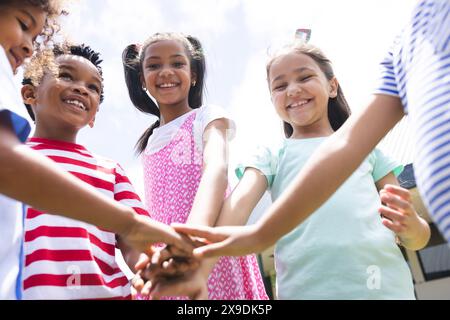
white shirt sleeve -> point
(207, 114)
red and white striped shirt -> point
(70, 259)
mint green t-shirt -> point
(342, 251)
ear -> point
(334, 85)
(141, 78)
(29, 94)
(92, 122)
(193, 79)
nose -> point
(27, 47)
(294, 89)
(80, 89)
(166, 71)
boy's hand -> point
(144, 232)
(400, 216)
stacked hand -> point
(169, 272)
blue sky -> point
(236, 35)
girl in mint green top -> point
(343, 250)
(346, 249)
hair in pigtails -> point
(132, 69)
(198, 66)
(139, 97)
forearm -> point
(210, 196)
(238, 207)
(32, 178)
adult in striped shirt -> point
(415, 81)
(65, 258)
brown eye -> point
(23, 25)
(94, 88)
(65, 76)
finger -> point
(213, 250)
(146, 289)
(142, 261)
(156, 257)
(137, 282)
(399, 191)
(204, 232)
(179, 266)
(395, 202)
(165, 255)
(179, 241)
(395, 227)
(392, 214)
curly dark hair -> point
(44, 61)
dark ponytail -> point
(198, 66)
(139, 97)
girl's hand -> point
(400, 216)
(224, 241)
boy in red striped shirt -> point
(65, 258)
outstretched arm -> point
(30, 177)
(213, 184)
(332, 163)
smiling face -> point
(64, 104)
(167, 72)
(20, 24)
(300, 92)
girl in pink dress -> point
(184, 152)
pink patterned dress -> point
(172, 176)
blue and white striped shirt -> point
(417, 70)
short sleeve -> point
(10, 102)
(209, 113)
(263, 159)
(387, 83)
(125, 194)
(383, 165)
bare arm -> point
(30, 177)
(213, 184)
(330, 166)
(239, 205)
(332, 163)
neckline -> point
(59, 143)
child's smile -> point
(76, 103)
